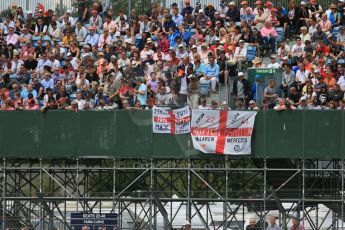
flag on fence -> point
(39, 7)
(222, 132)
(165, 120)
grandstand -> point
(79, 79)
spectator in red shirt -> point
(163, 42)
(322, 49)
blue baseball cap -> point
(257, 77)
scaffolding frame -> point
(39, 192)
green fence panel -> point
(21, 134)
(284, 138)
(133, 134)
(96, 133)
(59, 134)
(128, 134)
(259, 135)
(175, 146)
(323, 134)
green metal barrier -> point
(128, 134)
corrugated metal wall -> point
(31, 4)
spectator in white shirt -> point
(283, 50)
(79, 101)
(274, 64)
(341, 82)
(301, 75)
(240, 54)
(297, 50)
(305, 36)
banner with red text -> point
(222, 131)
(165, 120)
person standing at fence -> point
(241, 88)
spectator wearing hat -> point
(201, 20)
(257, 63)
(303, 14)
(273, 18)
(209, 11)
(67, 17)
(240, 54)
(274, 64)
(244, 6)
(188, 9)
(253, 90)
(93, 38)
(269, 35)
(122, 26)
(95, 20)
(222, 62)
(258, 5)
(269, 7)
(241, 88)
(233, 13)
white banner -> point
(165, 120)
(222, 131)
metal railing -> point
(58, 5)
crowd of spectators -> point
(170, 56)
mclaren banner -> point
(222, 131)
